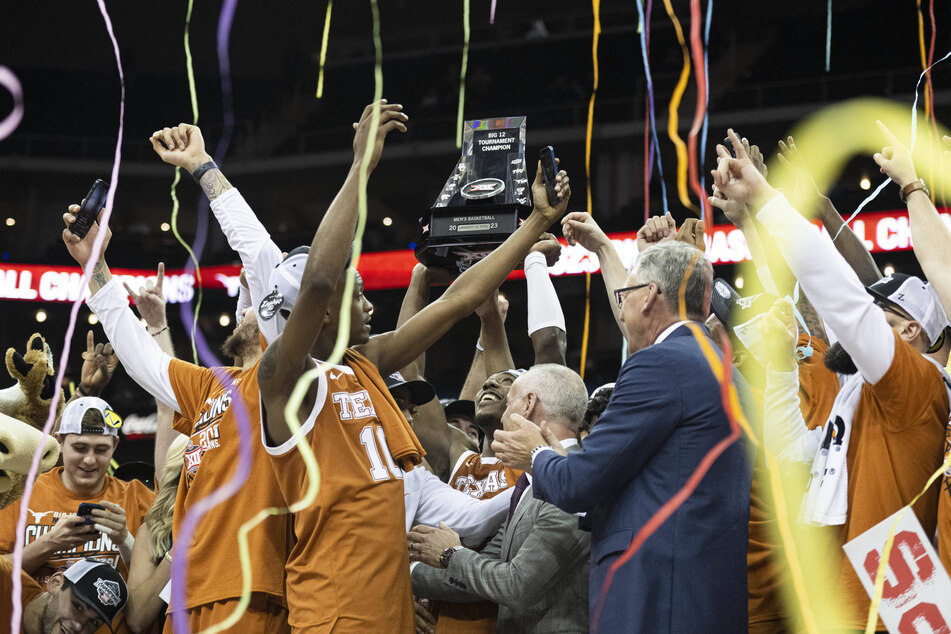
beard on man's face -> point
(839, 361)
(237, 344)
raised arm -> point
(393, 350)
(477, 374)
(184, 147)
(546, 320)
(289, 355)
(580, 228)
(832, 286)
(847, 243)
(932, 238)
(138, 351)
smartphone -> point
(549, 170)
(85, 511)
(728, 144)
(94, 201)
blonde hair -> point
(159, 516)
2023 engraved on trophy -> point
(479, 206)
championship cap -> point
(284, 284)
(98, 585)
(461, 407)
(420, 392)
(732, 309)
(72, 420)
(603, 388)
(918, 299)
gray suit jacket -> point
(535, 568)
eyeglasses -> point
(621, 293)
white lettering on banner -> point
(17, 285)
(916, 596)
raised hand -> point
(657, 229)
(99, 363)
(150, 300)
(738, 177)
(895, 160)
(540, 194)
(580, 228)
(391, 118)
(779, 332)
(549, 246)
(81, 248)
(691, 232)
(790, 158)
(182, 146)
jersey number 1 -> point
(377, 471)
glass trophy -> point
(479, 206)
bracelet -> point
(201, 169)
(156, 334)
(915, 186)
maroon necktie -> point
(520, 487)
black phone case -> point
(549, 172)
(89, 211)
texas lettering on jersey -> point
(492, 483)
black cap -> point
(462, 407)
(420, 392)
(732, 309)
(100, 586)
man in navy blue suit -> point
(664, 416)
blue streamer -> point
(650, 94)
(828, 34)
(706, 114)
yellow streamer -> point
(303, 384)
(462, 71)
(323, 50)
(193, 94)
(924, 56)
(672, 120)
(596, 10)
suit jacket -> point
(535, 568)
(664, 416)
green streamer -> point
(462, 72)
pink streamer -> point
(9, 81)
(492, 13)
(94, 257)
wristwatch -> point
(446, 555)
(914, 186)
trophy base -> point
(457, 239)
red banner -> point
(881, 232)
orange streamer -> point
(672, 120)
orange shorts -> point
(265, 614)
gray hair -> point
(561, 393)
(666, 265)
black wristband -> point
(79, 390)
(201, 169)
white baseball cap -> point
(284, 284)
(915, 297)
(72, 420)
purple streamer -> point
(492, 13)
(9, 81)
(208, 358)
(87, 273)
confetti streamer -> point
(462, 71)
(887, 550)
(492, 13)
(645, 28)
(650, 96)
(700, 112)
(828, 33)
(706, 113)
(17, 613)
(672, 117)
(323, 50)
(10, 123)
(193, 95)
(596, 36)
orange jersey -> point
(349, 569)
(211, 456)
(51, 500)
(30, 589)
(818, 387)
(482, 478)
(897, 442)
(944, 508)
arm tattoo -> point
(98, 276)
(214, 184)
